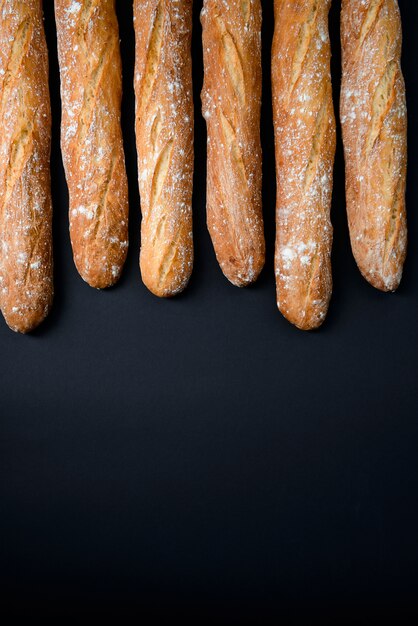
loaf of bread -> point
(373, 118)
(91, 137)
(305, 138)
(26, 283)
(164, 137)
(231, 99)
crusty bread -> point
(304, 124)
(164, 137)
(231, 99)
(26, 284)
(373, 118)
(91, 137)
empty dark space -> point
(200, 457)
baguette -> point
(26, 281)
(305, 139)
(91, 137)
(373, 119)
(231, 104)
(164, 136)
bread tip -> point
(99, 277)
(245, 273)
(25, 322)
(302, 319)
(387, 284)
(168, 288)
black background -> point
(200, 456)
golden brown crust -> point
(304, 124)
(373, 118)
(164, 136)
(91, 137)
(231, 99)
(26, 282)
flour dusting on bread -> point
(91, 137)
(26, 282)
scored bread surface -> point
(304, 124)
(164, 137)
(374, 124)
(26, 282)
(91, 137)
(231, 103)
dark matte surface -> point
(200, 455)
